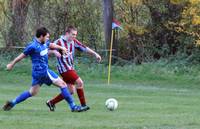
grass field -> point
(157, 105)
(150, 96)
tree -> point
(19, 10)
(136, 19)
(108, 16)
(187, 27)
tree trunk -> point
(19, 9)
(108, 16)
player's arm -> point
(83, 48)
(55, 46)
(17, 59)
(91, 52)
(55, 52)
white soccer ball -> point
(111, 104)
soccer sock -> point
(57, 99)
(67, 96)
(81, 96)
(23, 96)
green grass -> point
(146, 101)
(157, 95)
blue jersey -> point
(39, 57)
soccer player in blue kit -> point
(41, 74)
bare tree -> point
(19, 10)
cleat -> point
(8, 106)
(51, 106)
(77, 108)
(85, 108)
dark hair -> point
(70, 28)
(42, 31)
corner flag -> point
(115, 24)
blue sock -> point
(67, 96)
(23, 96)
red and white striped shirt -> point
(66, 63)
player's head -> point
(71, 32)
(42, 34)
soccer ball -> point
(111, 104)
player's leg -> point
(71, 88)
(22, 97)
(70, 79)
(64, 91)
(67, 96)
(80, 92)
(52, 102)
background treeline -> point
(152, 29)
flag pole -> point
(110, 57)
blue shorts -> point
(48, 78)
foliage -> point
(134, 15)
(5, 17)
(155, 29)
(87, 16)
(152, 29)
(56, 15)
(188, 28)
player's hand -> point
(57, 54)
(98, 57)
(9, 66)
(64, 51)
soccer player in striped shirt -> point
(65, 66)
(41, 74)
